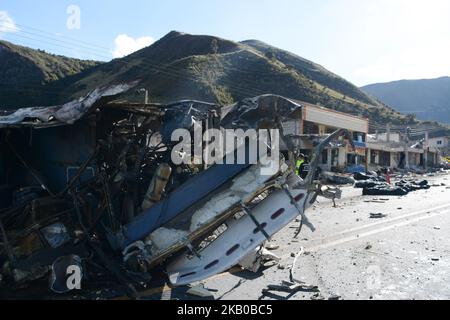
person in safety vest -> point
(302, 166)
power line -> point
(53, 38)
(165, 70)
(239, 89)
(71, 49)
(231, 85)
(66, 37)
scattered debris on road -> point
(435, 259)
(377, 215)
(200, 291)
(271, 247)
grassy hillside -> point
(25, 73)
(312, 71)
(183, 66)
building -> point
(389, 149)
(316, 120)
(397, 150)
(439, 142)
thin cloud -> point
(7, 24)
(125, 45)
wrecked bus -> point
(91, 186)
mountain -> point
(25, 73)
(427, 99)
(183, 66)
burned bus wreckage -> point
(91, 184)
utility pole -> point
(145, 93)
(425, 151)
(407, 148)
(388, 132)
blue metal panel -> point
(50, 152)
(181, 199)
(360, 144)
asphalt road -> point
(405, 255)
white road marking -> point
(388, 220)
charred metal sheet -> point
(67, 113)
(263, 112)
(183, 115)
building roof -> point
(335, 119)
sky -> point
(367, 41)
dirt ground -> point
(404, 255)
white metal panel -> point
(240, 239)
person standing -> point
(302, 166)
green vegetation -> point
(25, 74)
(182, 66)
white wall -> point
(336, 119)
(434, 142)
(393, 137)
